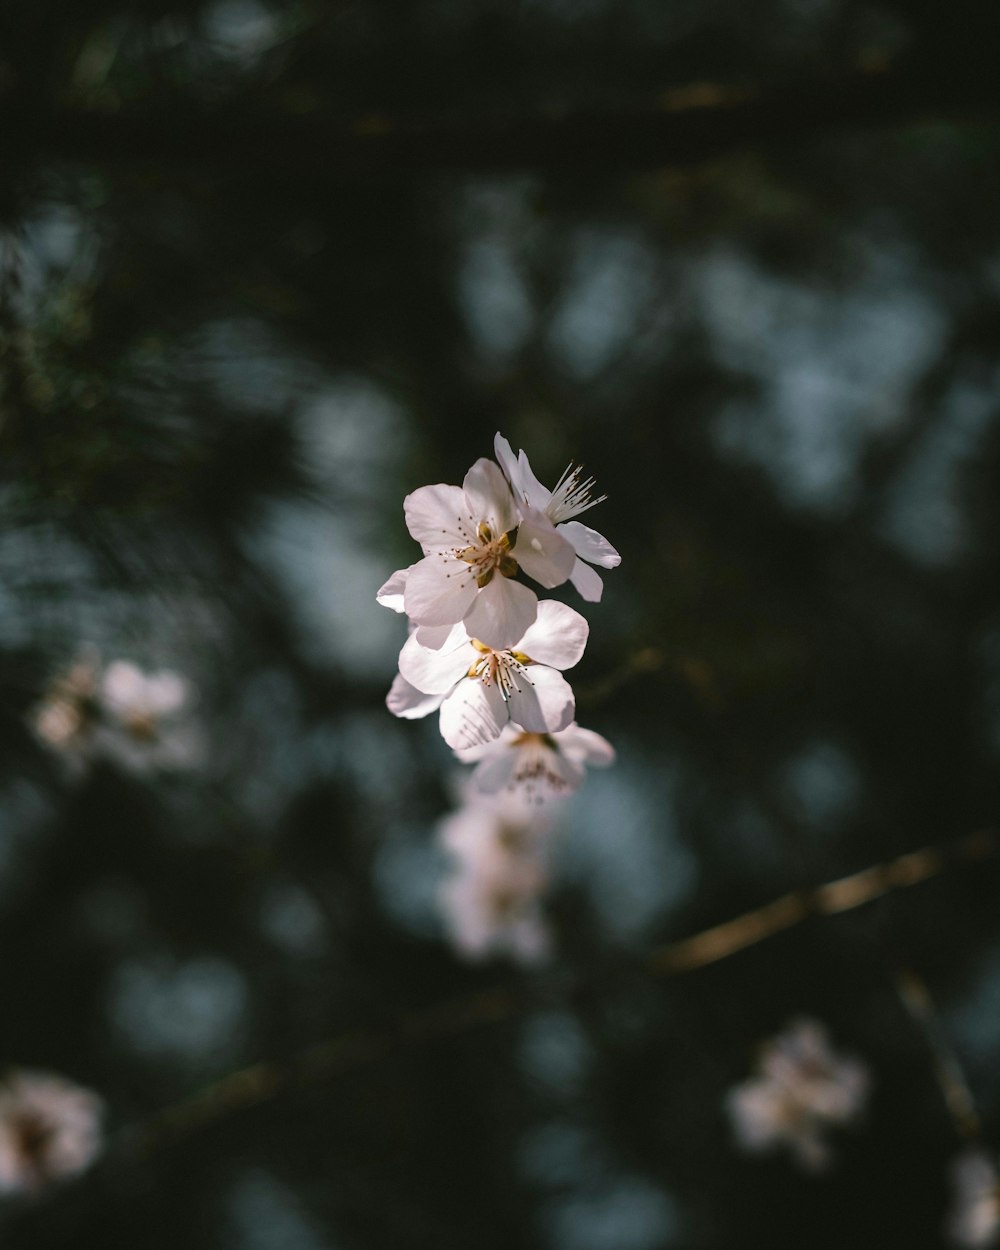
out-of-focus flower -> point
(491, 901)
(537, 766)
(568, 500)
(480, 689)
(802, 1089)
(467, 534)
(50, 1130)
(975, 1215)
(66, 717)
(120, 713)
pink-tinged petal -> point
(434, 672)
(391, 593)
(543, 553)
(489, 498)
(437, 636)
(557, 638)
(409, 702)
(473, 712)
(507, 460)
(583, 746)
(502, 612)
(439, 591)
(496, 772)
(531, 488)
(438, 516)
(590, 546)
(541, 701)
(587, 582)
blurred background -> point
(264, 269)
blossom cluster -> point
(490, 657)
(50, 1130)
(801, 1090)
(118, 712)
(483, 651)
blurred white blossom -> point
(536, 766)
(479, 689)
(491, 899)
(975, 1215)
(50, 1130)
(119, 712)
(802, 1089)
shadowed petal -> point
(542, 551)
(587, 582)
(502, 612)
(473, 712)
(434, 672)
(590, 545)
(542, 700)
(409, 702)
(489, 496)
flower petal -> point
(543, 553)
(530, 487)
(583, 746)
(391, 593)
(439, 590)
(587, 582)
(488, 497)
(507, 460)
(590, 546)
(434, 672)
(473, 712)
(502, 612)
(409, 702)
(542, 700)
(557, 638)
(496, 772)
(437, 516)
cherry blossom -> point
(537, 766)
(479, 689)
(570, 497)
(975, 1217)
(49, 1130)
(491, 899)
(475, 539)
(802, 1089)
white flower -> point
(480, 689)
(975, 1215)
(802, 1089)
(49, 1130)
(65, 718)
(537, 765)
(470, 558)
(491, 901)
(140, 726)
(568, 500)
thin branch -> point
(261, 1082)
(678, 127)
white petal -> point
(409, 702)
(437, 516)
(439, 590)
(434, 672)
(489, 498)
(437, 636)
(473, 712)
(391, 593)
(507, 460)
(590, 545)
(532, 489)
(587, 582)
(542, 700)
(543, 553)
(496, 771)
(558, 636)
(585, 747)
(502, 612)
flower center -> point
(487, 553)
(505, 669)
(571, 496)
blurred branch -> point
(261, 1082)
(680, 126)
